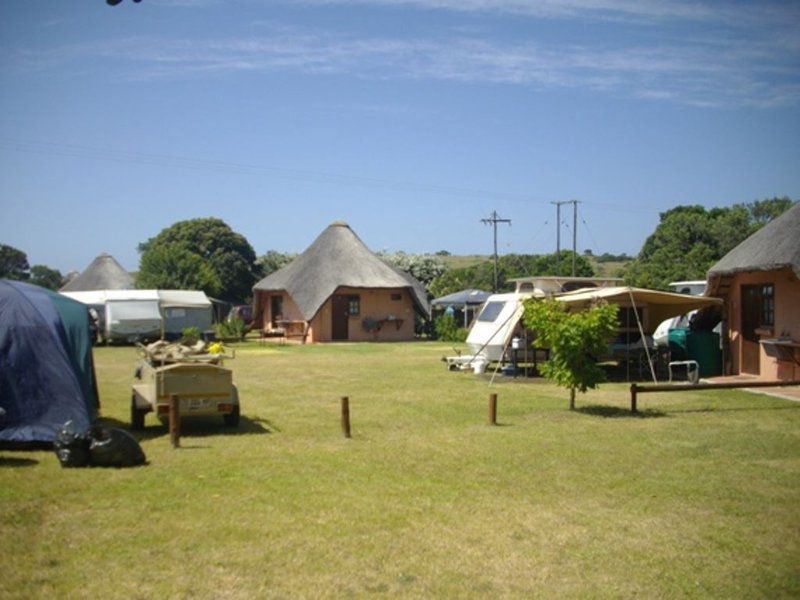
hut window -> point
(396, 297)
(353, 306)
(768, 305)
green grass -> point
(699, 496)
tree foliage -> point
(204, 254)
(690, 239)
(13, 263)
(575, 340)
(273, 260)
(509, 266)
(46, 277)
(424, 267)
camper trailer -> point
(498, 321)
(142, 315)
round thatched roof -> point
(103, 273)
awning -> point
(661, 305)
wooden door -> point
(340, 317)
(276, 309)
(751, 317)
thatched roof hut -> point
(103, 273)
(774, 246)
(337, 263)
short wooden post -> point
(174, 421)
(492, 409)
(634, 389)
(346, 416)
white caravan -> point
(498, 321)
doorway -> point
(758, 312)
(340, 317)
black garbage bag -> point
(72, 446)
(112, 447)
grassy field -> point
(699, 496)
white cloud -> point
(718, 69)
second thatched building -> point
(339, 290)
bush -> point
(447, 330)
(231, 329)
(190, 335)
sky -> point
(412, 120)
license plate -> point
(194, 404)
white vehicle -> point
(499, 318)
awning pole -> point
(644, 341)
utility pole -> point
(574, 233)
(494, 219)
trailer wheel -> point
(232, 418)
(137, 415)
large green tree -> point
(690, 239)
(13, 263)
(204, 254)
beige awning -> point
(660, 305)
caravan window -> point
(491, 311)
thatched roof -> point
(338, 258)
(103, 273)
(774, 246)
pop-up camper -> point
(138, 315)
(499, 319)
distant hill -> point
(602, 267)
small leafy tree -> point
(46, 277)
(13, 263)
(575, 340)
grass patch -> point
(698, 496)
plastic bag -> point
(72, 446)
(114, 448)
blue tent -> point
(46, 369)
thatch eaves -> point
(774, 246)
(338, 258)
(103, 273)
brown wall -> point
(787, 321)
(375, 304)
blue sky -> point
(410, 119)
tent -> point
(47, 376)
(467, 301)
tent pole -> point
(644, 341)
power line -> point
(494, 219)
(183, 162)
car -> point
(204, 387)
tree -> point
(575, 340)
(690, 239)
(46, 277)
(13, 263)
(423, 267)
(201, 254)
(273, 260)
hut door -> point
(340, 317)
(751, 316)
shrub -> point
(190, 335)
(447, 330)
(231, 329)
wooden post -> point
(174, 421)
(634, 390)
(492, 409)
(346, 416)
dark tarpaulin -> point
(46, 369)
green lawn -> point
(699, 496)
